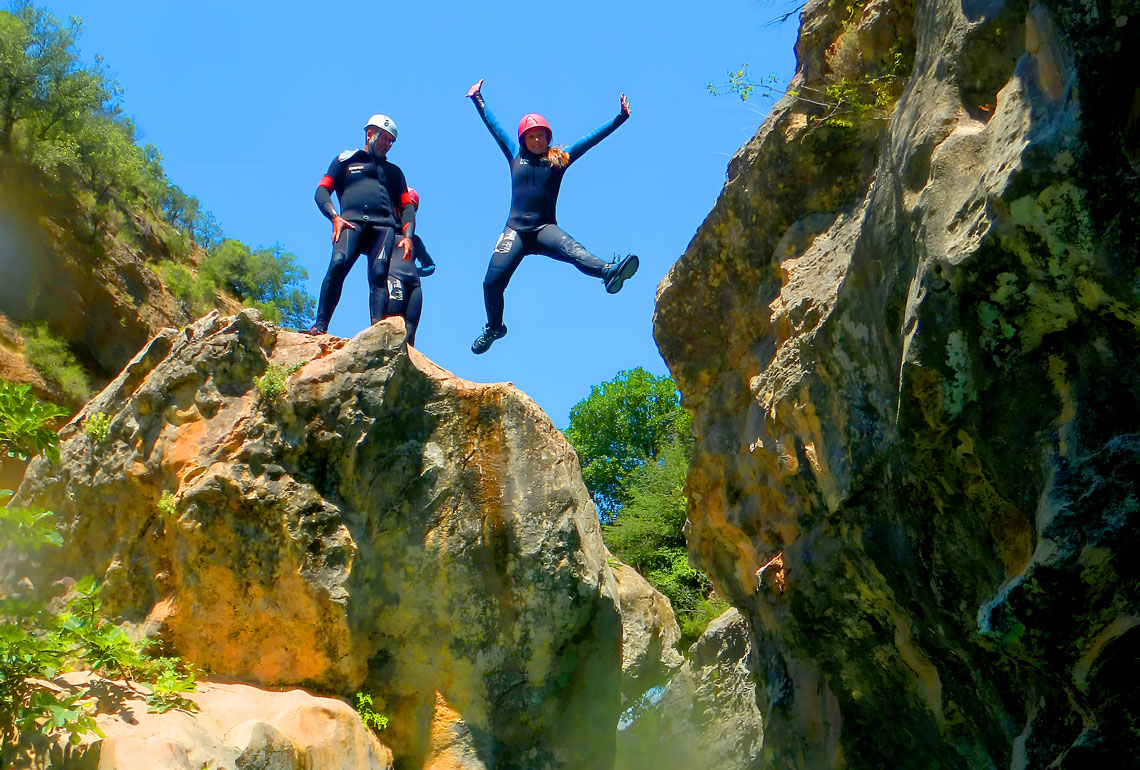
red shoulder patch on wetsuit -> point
(327, 182)
(406, 198)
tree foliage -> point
(268, 279)
(25, 423)
(623, 423)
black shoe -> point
(483, 342)
(316, 329)
(619, 272)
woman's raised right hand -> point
(474, 90)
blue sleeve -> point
(506, 144)
(578, 149)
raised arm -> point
(506, 144)
(578, 149)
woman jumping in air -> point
(536, 174)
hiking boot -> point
(618, 273)
(483, 342)
(316, 330)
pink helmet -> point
(414, 197)
(534, 120)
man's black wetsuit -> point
(532, 227)
(373, 195)
(404, 295)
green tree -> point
(46, 94)
(623, 423)
(268, 279)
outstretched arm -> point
(578, 149)
(509, 148)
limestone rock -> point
(649, 633)
(909, 345)
(237, 726)
(707, 715)
(378, 526)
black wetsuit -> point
(404, 295)
(373, 195)
(532, 227)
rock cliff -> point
(99, 293)
(907, 333)
(347, 516)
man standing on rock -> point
(374, 203)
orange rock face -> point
(347, 516)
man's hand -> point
(406, 244)
(338, 226)
(474, 91)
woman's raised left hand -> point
(624, 105)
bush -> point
(54, 360)
(272, 383)
(97, 427)
(371, 718)
(195, 291)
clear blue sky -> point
(249, 102)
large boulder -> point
(235, 725)
(650, 633)
(707, 714)
(908, 334)
(372, 523)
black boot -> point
(483, 342)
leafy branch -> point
(846, 103)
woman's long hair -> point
(557, 157)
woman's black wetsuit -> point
(532, 227)
(373, 195)
(404, 295)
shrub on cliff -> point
(53, 359)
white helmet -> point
(382, 122)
